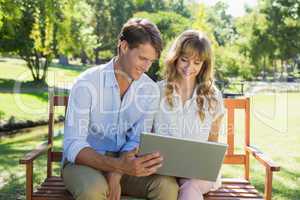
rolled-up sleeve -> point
(220, 108)
(77, 120)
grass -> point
(30, 101)
(277, 137)
(274, 129)
(12, 175)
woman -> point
(191, 106)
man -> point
(109, 106)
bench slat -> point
(53, 188)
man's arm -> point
(76, 148)
(91, 158)
(149, 106)
(127, 164)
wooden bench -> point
(232, 189)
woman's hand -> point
(215, 129)
(114, 186)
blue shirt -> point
(98, 118)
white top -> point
(184, 120)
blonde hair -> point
(192, 43)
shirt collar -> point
(109, 74)
(175, 94)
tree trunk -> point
(282, 67)
(83, 58)
(97, 59)
(274, 68)
(63, 60)
(45, 69)
(264, 68)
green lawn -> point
(30, 101)
(12, 175)
(274, 128)
(269, 131)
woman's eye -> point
(184, 59)
(198, 63)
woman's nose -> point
(187, 67)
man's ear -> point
(123, 47)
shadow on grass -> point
(280, 189)
(12, 182)
(14, 189)
(70, 67)
(28, 87)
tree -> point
(180, 7)
(284, 24)
(222, 23)
(109, 17)
(75, 33)
(255, 42)
(30, 34)
(170, 25)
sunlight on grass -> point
(24, 106)
(30, 102)
(278, 138)
(274, 130)
(12, 149)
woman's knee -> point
(197, 185)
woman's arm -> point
(215, 129)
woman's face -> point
(188, 66)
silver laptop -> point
(185, 157)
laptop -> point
(185, 158)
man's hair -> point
(140, 31)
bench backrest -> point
(231, 106)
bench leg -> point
(268, 184)
(29, 186)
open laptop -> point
(185, 157)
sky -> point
(236, 7)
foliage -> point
(38, 31)
(170, 25)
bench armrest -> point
(262, 158)
(31, 156)
(270, 168)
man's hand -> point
(140, 166)
(113, 180)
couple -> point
(110, 105)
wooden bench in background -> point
(232, 189)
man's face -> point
(137, 60)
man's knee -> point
(85, 183)
(164, 187)
(93, 191)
